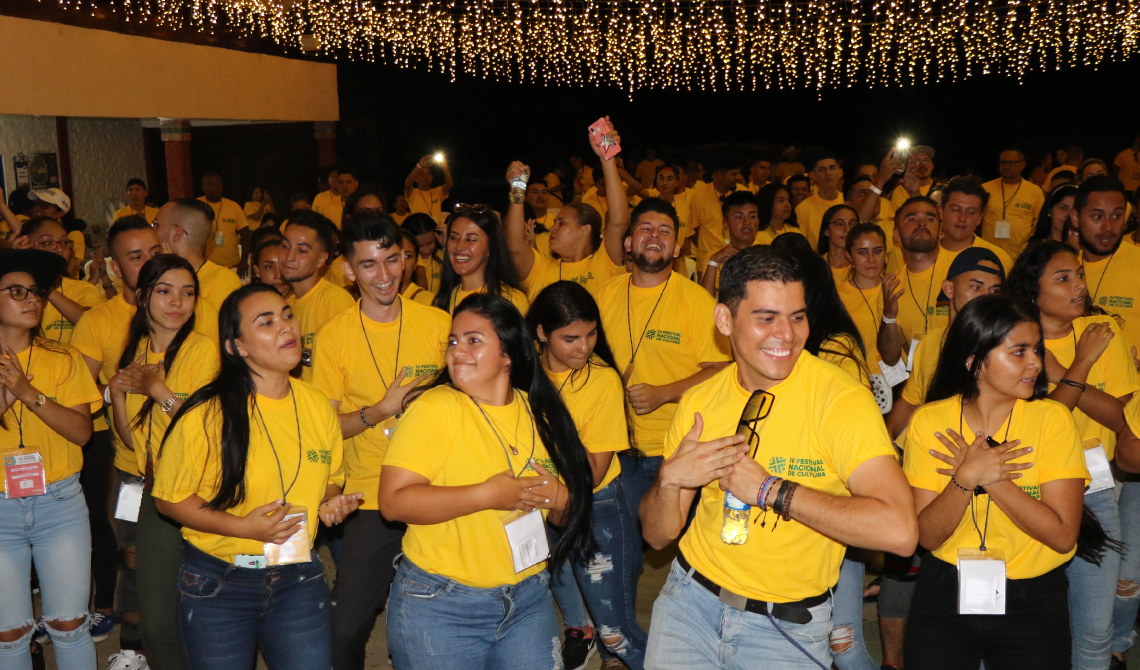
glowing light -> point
(903, 143)
(438, 158)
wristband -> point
(107, 394)
(713, 264)
(876, 189)
(168, 404)
(762, 495)
(1076, 385)
(786, 509)
(887, 319)
(955, 483)
(778, 503)
(517, 199)
(363, 420)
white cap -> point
(52, 196)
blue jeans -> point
(847, 644)
(227, 612)
(1127, 603)
(1092, 592)
(435, 623)
(693, 630)
(568, 596)
(53, 530)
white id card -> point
(219, 239)
(894, 374)
(1096, 460)
(910, 354)
(296, 548)
(981, 582)
(1001, 229)
(130, 499)
(527, 537)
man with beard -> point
(306, 248)
(1014, 205)
(183, 228)
(660, 328)
(366, 359)
(1099, 216)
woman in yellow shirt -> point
(260, 203)
(1054, 222)
(428, 261)
(577, 358)
(163, 362)
(837, 220)
(43, 516)
(247, 466)
(994, 467)
(477, 260)
(862, 292)
(471, 460)
(777, 215)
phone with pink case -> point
(599, 133)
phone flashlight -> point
(438, 158)
(902, 151)
(903, 143)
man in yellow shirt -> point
(831, 478)
(758, 174)
(366, 359)
(184, 228)
(583, 175)
(1111, 268)
(330, 203)
(136, 202)
(538, 197)
(669, 186)
(799, 187)
(963, 201)
(419, 193)
(920, 167)
(825, 176)
(1014, 205)
(229, 228)
(647, 168)
(1126, 166)
(329, 199)
(305, 249)
(705, 207)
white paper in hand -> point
(895, 374)
(1096, 460)
(130, 499)
(527, 537)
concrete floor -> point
(652, 579)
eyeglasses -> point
(21, 293)
(921, 161)
(54, 245)
(476, 207)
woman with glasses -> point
(477, 260)
(46, 398)
(837, 220)
(69, 298)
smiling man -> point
(366, 359)
(816, 453)
(1099, 216)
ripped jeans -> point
(608, 580)
(436, 623)
(52, 530)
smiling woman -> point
(477, 260)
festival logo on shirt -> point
(1121, 301)
(1032, 490)
(777, 464)
(940, 310)
(666, 336)
(323, 456)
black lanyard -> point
(455, 297)
(1102, 275)
(985, 530)
(868, 304)
(300, 451)
(510, 465)
(910, 287)
(629, 318)
(1004, 202)
(20, 417)
(399, 337)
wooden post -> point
(176, 138)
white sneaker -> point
(127, 660)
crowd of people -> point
(623, 343)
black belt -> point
(794, 612)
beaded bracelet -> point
(762, 495)
(955, 483)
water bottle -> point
(518, 186)
(736, 515)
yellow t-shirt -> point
(78, 245)
(592, 199)
(190, 461)
(1113, 373)
(919, 311)
(1044, 425)
(592, 272)
(671, 328)
(60, 374)
(55, 325)
(899, 196)
(517, 298)
(647, 171)
(1128, 161)
(767, 236)
(682, 203)
(216, 283)
(251, 208)
(1003, 257)
(1048, 185)
(809, 215)
(321, 303)
(446, 438)
(1114, 286)
(707, 217)
(329, 205)
(344, 369)
(426, 202)
(148, 212)
(229, 220)
(1020, 205)
(433, 268)
(195, 366)
(420, 295)
(866, 310)
(827, 426)
(399, 218)
(925, 364)
(596, 400)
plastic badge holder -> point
(1096, 460)
(981, 581)
(130, 500)
(526, 533)
(1001, 230)
(24, 473)
(297, 548)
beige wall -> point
(68, 71)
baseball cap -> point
(52, 196)
(969, 260)
(922, 149)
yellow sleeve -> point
(240, 221)
(605, 428)
(204, 364)
(1064, 456)
(710, 346)
(918, 465)
(679, 426)
(77, 387)
(916, 387)
(186, 457)
(422, 438)
(86, 338)
(541, 266)
(328, 375)
(88, 295)
(854, 431)
(336, 446)
(1119, 372)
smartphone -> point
(902, 153)
(599, 133)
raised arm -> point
(1101, 407)
(617, 218)
(515, 227)
(410, 181)
(890, 339)
(448, 182)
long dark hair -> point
(1024, 281)
(498, 275)
(1044, 228)
(824, 244)
(766, 202)
(149, 276)
(231, 392)
(552, 420)
(828, 320)
(561, 304)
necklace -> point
(629, 324)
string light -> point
(635, 45)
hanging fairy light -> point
(718, 45)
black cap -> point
(44, 266)
(968, 261)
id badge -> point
(526, 534)
(219, 239)
(895, 374)
(1096, 460)
(1001, 229)
(24, 474)
(297, 548)
(981, 581)
(910, 354)
(130, 499)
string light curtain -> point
(681, 44)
